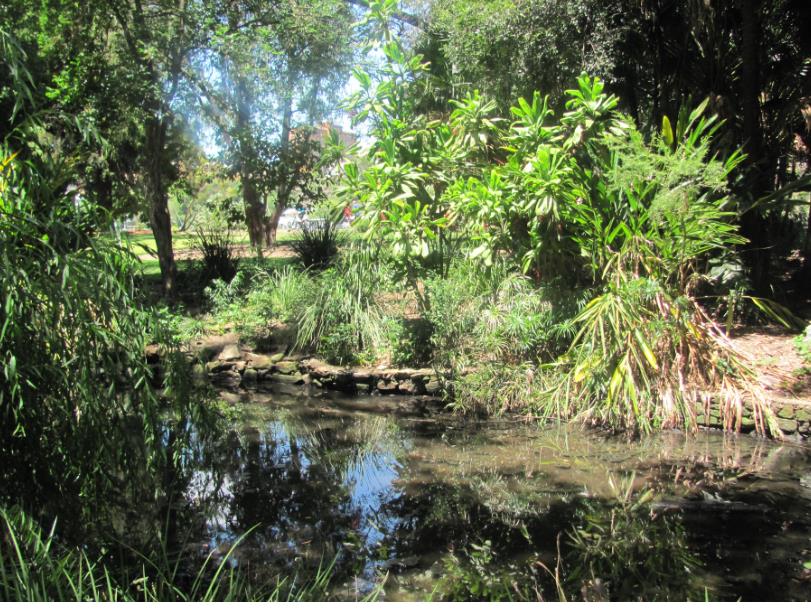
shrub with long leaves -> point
(343, 316)
(79, 413)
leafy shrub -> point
(255, 298)
(317, 245)
(803, 344)
(497, 388)
(497, 314)
(408, 341)
(291, 291)
(582, 201)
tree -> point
(272, 71)
(157, 38)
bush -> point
(317, 245)
(497, 314)
(78, 406)
(255, 298)
(343, 314)
(216, 248)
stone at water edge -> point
(229, 352)
(285, 367)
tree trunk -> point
(254, 204)
(254, 213)
(753, 226)
(286, 179)
(272, 222)
(158, 199)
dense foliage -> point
(562, 207)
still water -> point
(412, 505)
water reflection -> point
(429, 500)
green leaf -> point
(667, 131)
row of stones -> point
(233, 367)
(790, 419)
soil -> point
(242, 251)
(780, 368)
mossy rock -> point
(285, 367)
(788, 426)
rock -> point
(423, 375)
(803, 414)
(408, 386)
(363, 376)
(433, 387)
(294, 379)
(240, 365)
(363, 388)
(226, 378)
(250, 376)
(207, 352)
(786, 413)
(230, 352)
(285, 367)
(219, 367)
(387, 386)
(260, 361)
(787, 425)
(321, 369)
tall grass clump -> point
(491, 329)
(343, 320)
(317, 244)
(37, 566)
(216, 249)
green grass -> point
(143, 244)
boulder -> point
(261, 361)
(250, 376)
(229, 352)
(433, 387)
(363, 375)
(228, 378)
(219, 367)
(787, 426)
(409, 386)
(285, 367)
(294, 379)
(387, 386)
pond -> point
(417, 506)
